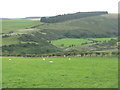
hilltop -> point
(65, 17)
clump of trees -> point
(65, 17)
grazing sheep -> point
(69, 59)
(43, 58)
(9, 59)
(50, 61)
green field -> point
(66, 42)
(10, 25)
(78, 72)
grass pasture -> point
(66, 42)
(78, 72)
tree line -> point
(65, 17)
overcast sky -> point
(26, 8)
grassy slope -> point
(93, 72)
(19, 26)
(96, 24)
(16, 25)
(10, 25)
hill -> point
(23, 37)
(90, 27)
(17, 38)
(25, 44)
(65, 17)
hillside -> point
(17, 38)
(25, 44)
(90, 27)
(23, 37)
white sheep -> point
(10, 59)
(64, 55)
(50, 61)
(43, 58)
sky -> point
(28, 8)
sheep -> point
(9, 59)
(50, 61)
(43, 58)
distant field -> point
(66, 42)
(11, 25)
(76, 72)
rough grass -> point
(79, 72)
